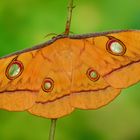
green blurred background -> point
(24, 23)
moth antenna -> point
(51, 34)
(71, 32)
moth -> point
(85, 71)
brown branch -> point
(52, 129)
(68, 23)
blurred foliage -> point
(24, 23)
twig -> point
(68, 23)
(52, 129)
(67, 31)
